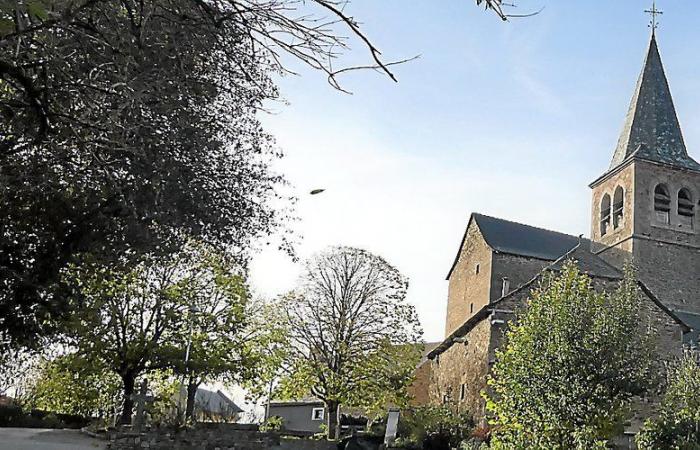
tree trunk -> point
(333, 431)
(128, 380)
(192, 387)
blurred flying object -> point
(317, 191)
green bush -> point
(433, 428)
(11, 416)
(15, 416)
(678, 424)
(274, 423)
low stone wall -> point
(212, 437)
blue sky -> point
(507, 119)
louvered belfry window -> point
(618, 207)
(686, 208)
(604, 215)
(662, 204)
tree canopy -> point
(353, 339)
(678, 423)
(569, 365)
(70, 384)
(127, 128)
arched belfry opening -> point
(686, 208)
(662, 204)
(618, 208)
(605, 208)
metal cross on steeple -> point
(653, 12)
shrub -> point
(11, 416)
(274, 423)
(433, 428)
(678, 424)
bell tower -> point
(645, 206)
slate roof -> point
(651, 130)
(215, 403)
(588, 263)
(515, 238)
(504, 236)
(693, 321)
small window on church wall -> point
(686, 208)
(618, 207)
(662, 204)
(462, 391)
(471, 308)
(604, 215)
(505, 287)
(477, 269)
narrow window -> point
(604, 215)
(618, 209)
(686, 208)
(477, 269)
(662, 204)
(462, 391)
(505, 289)
(471, 308)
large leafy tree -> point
(190, 313)
(351, 334)
(678, 424)
(127, 126)
(223, 337)
(124, 318)
(570, 364)
(129, 123)
(70, 384)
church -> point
(644, 210)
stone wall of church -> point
(669, 345)
(668, 255)
(518, 269)
(672, 273)
(470, 280)
(459, 373)
(419, 390)
(625, 179)
(469, 364)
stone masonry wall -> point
(419, 390)
(615, 236)
(470, 363)
(668, 256)
(468, 290)
(212, 438)
(463, 364)
(518, 269)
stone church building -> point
(644, 209)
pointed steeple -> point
(651, 130)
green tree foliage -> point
(124, 318)
(351, 334)
(570, 364)
(678, 424)
(70, 384)
(18, 368)
(127, 126)
(143, 319)
(223, 337)
(434, 427)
